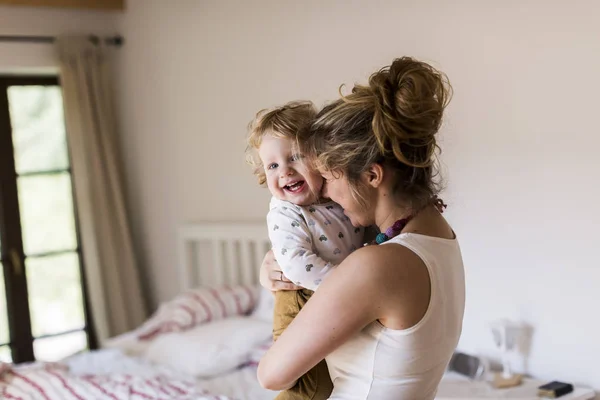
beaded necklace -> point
(393, 230)
(400, 224)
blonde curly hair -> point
(287, 121)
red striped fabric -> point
(238, 305)
(199, 306)
(33, 385)
(66, 385)
(43, 382)
(102, 390)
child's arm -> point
(293, 249)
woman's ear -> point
(374, 175)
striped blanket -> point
(54, 382)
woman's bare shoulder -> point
(381, 263)
(396, 282)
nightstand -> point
(452, 388)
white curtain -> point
(111, 271)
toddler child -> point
(309, 235)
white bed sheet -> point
(240, 385)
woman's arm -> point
(347, 301)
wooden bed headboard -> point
(213, 254)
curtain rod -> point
(116, 41)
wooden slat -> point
(233, 276)
(218, 268)
(84, 4)
(185, 264)
(246, 264)
(244, 246)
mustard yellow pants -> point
(316, 383)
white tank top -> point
(386, 364)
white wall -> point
(22, 58)
(520, 143)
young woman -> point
(388, 319)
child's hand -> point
(271, 276)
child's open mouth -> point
(295, 187)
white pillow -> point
(265, 306)
(128, 343)
(210, 349)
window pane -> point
(39, 140)
(5, 355)
(55, 299)
(46, 204)
(59, 347)
(4, 337)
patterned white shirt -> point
(308, 241)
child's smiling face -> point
(288, 177)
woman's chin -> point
(355, 223)
(358, 222)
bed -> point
(203, 344)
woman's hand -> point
(272, 278)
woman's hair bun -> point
(409, 100)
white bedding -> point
(202, 345)
(99, 375)
(128, 354)
(240, 384)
